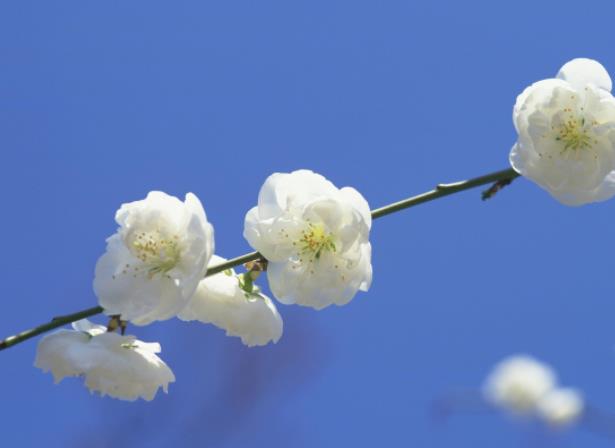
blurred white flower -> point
(315, 237)
(156, 259)
(220, 300)
(561, 407)
(119, 366)
(566, 128)
(518, 383)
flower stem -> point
(501, 178)
(442, 190)
(55, 323)
(237, 261)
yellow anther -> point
(315, 240)
(159, 253)
(573, 134)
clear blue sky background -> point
(102, 101)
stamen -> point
(573, 134)
(314, 241)
(157, 252)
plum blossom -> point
(156, 259)
(518, 383)
(566, 134)
(315, 237)
(220, 300)
(119, 366)
(561, 407)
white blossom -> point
(220, 300)
(315, 237)
(518, 383)
(566, 134)
(119, 366)
(561, 407)
(156, 259)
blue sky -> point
(103, 101)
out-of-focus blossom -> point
(518, 383)
(561, 407)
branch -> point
(55, 323)
(500, 178)
(442, 190)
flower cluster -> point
(524, 386)
(312, 235)
(313, 241)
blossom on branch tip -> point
(157, 258)
(219, 299)
(119, 366)
(566, 134)
(315, 238)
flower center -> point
(573, 134)
(315, 240)
(519, 397)
(157, 252)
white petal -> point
(582, 71)
(127, 369)
(532, 97)
(518, 159)
(282, 192)
(218, 285)
(137, 299)
(198, 246)
(365, 266)
(272, 237)
(355, 198)
(270, 203)
(606, 190)
(84, 325)
(251, 228)
(333, 281)
(54, 353)
(119, 366)
(220, 300)
(156, 210)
